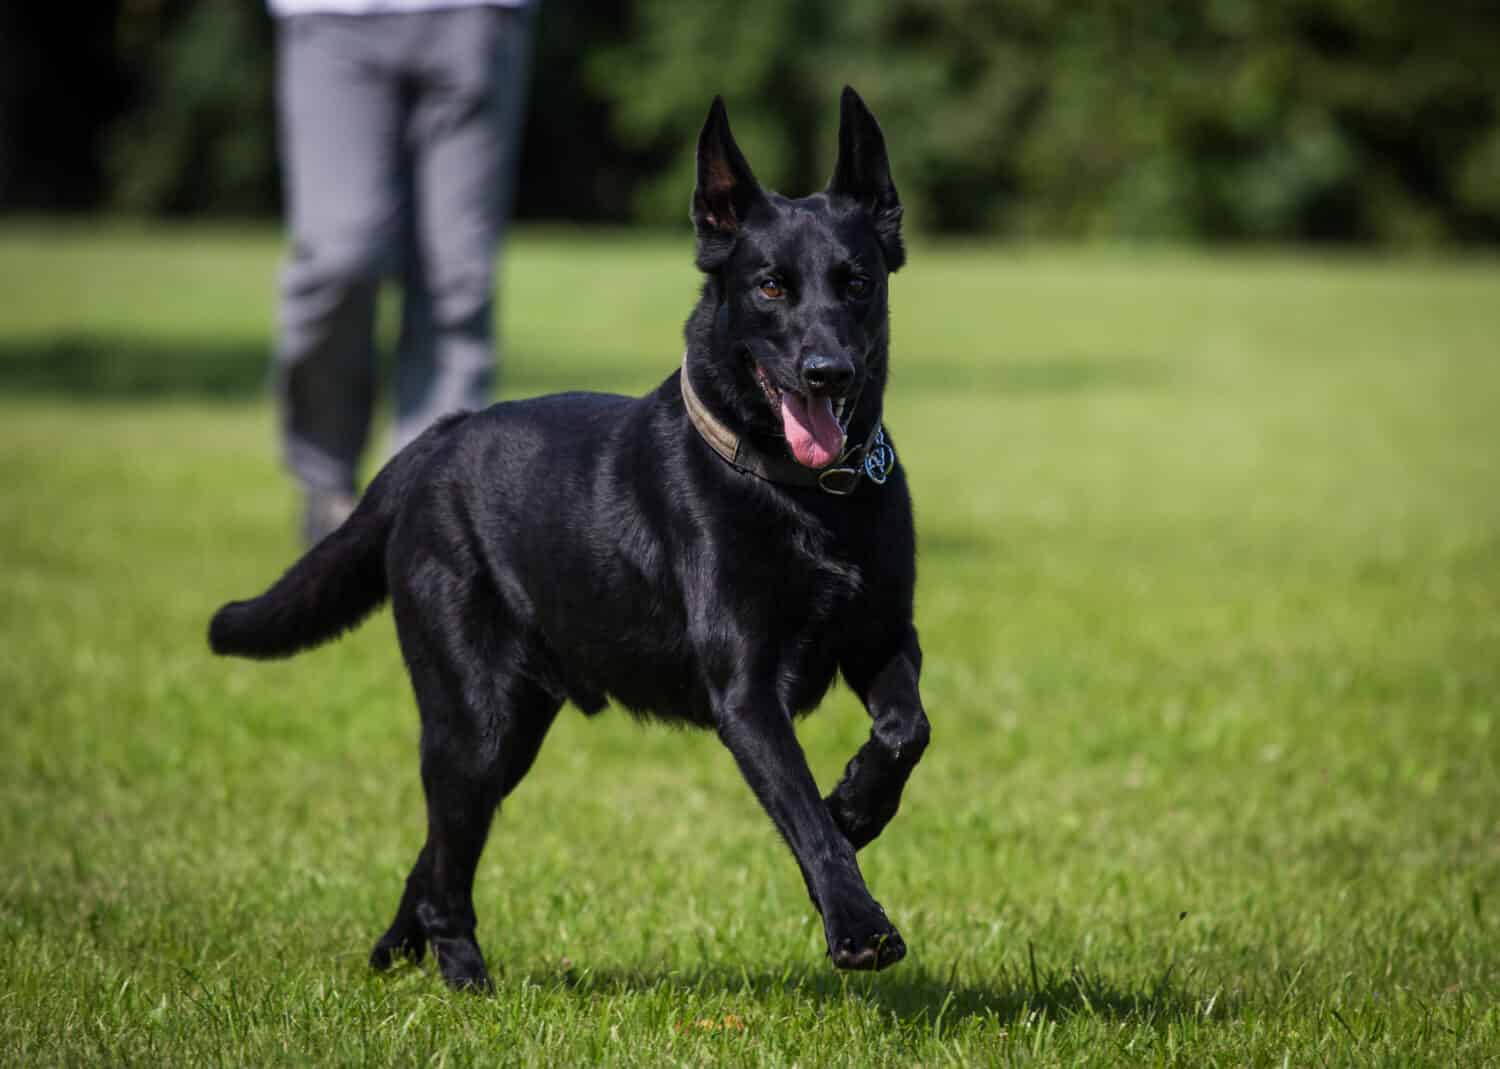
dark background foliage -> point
(1323, 120)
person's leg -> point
(464, 135)
(340, 114)
(414, 346)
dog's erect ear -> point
(726, 191)
(863, 171)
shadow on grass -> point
(955, 546)
(911, 993)
(98, 367)
(1047, 375)
(93, 366)
(102, 367)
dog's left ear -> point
(863, 171)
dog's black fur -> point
(587, 547)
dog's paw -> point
(396, 945)
(462, 965)
(864, 940)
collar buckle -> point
(840, 482)
(876, 465)
(880, 458)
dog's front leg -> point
(758, 732)
(870, 793)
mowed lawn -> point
(1210, 596)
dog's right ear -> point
(726, 191)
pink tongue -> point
(811, 429)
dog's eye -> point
(857, 286)
(771, 289)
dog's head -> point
(798, 287)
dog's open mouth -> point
(814, 426)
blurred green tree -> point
(1230, 119)
(202, 137)
(1234, 120)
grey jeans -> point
(398, 139)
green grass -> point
(1210, 594)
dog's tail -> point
(339, 582)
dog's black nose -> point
(822, 374)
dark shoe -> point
(323, 512)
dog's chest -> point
(810, 581)
(792, 597)
(781, 601)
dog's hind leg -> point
(483, 722)
(464, 779)
(405, 938)
(870, 792)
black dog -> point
(714, 552)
